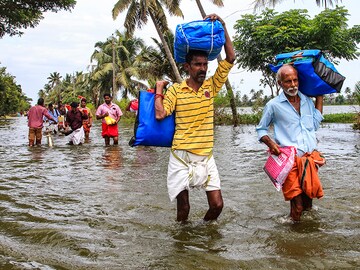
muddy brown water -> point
(96, 207)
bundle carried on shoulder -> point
(204, 35)
(149, 131)
(317, 75)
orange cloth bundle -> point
(303, 177)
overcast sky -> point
(64, 41)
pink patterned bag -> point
(278, 167)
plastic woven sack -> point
(203, 35)
(278, 167)
(148, 130)
(317, 76)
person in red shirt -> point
(35, 121)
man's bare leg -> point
(183, 206)
(296, 208)
(216, 205)
(107, 140)
(307, 202)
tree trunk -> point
(114, 90)
(229, 89)
(167, 50)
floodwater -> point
(95, 207)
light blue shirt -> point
(290, 127)
(54, 114)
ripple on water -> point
(96, 207)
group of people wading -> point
(74, 121)
(294, 116)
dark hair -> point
(83, 99)
(40, 101)
(50, 104)
(107, 95)
(190, 55)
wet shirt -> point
(74, 119)
(195, 112)
(35, 116)
(290, 127)
(113, 110)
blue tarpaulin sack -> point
(317, 76)
(148, 130)
(203, 35)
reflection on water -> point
(97, 207)
(112, 157)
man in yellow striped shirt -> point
(191, 162)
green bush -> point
(340, 118)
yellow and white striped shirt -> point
(195, 112)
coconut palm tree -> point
(229, 89)
(117, 56)
(128, 70)
(73, 87)
(100, 76)
(54, 82)
(137, 15)
(54, 79)
(41, 94)
(154, 62)
(265, 3)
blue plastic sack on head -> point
(147, 130)
(203, 35)
(317, 75)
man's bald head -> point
(285, 69)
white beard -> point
(292, 92)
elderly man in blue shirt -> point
(295, 118)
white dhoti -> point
(187, 170)
(77, 136)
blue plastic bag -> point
(203, 35)
(147, 130)
(317, 76)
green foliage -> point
(262, 3)
(260, 37)
(122, 103)
(155, 64)
(137, 15)
(224, 118)
(117, 55)
(339, 118)
(221, 100)
(21, 14)
(127, 117)
(357, 93)
(12, 99)
(357, 98)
